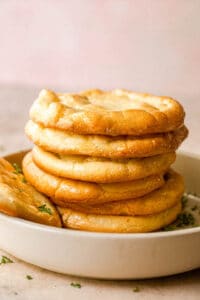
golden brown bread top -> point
(20, 199)
(119, 112)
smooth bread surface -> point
(63, 142)
(20, 199)
(119, 112)
(155, 202)
(119, 224)
(63, 190)
(101, 170)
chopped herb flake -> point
(29, 277)
(76, 285)
(184, 219)
(184, 201)
(24, 180)
(169, 227)
(5, 260)
(136, 289)
(17, 168)
(194, 208)
(45, 209)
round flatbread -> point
(118, 112)
(63, 190)
(63, 142)
(19, 199)
(101, 170)
(119, 224)
(153, 203)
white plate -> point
(104, 255)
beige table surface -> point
(14, 105)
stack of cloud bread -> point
(104, 158)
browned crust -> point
(77, 113)
(20, 199)
(102, 170)
(119, 224)
(62, 142)
(153, 203)
(63, 190)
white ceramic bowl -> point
(104, 255)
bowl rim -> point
(88, 234)
(102, 235)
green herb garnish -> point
(169, 227)
(194, 208)
(184, 219)
(24, 180)
(5, 260)
(136, 289)
(76, 285)
(29, 277)
(17, 168)
(18, 171)
(184, 201)
(45, 209)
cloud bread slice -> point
(118, 224)
(119, 112)
(62, 190)
(19, 199)
(155, 202)
(101, 170)
(63, 142)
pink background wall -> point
(150, 45)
